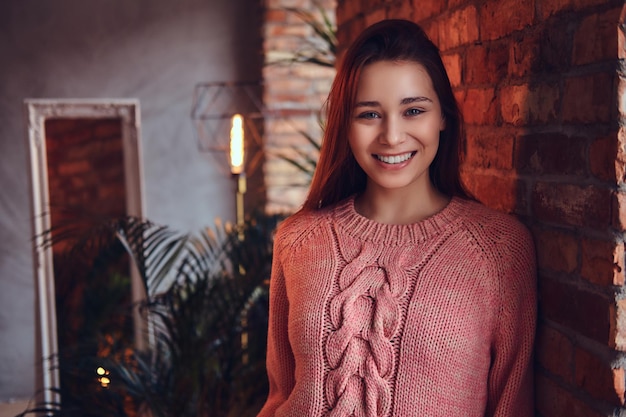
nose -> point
(392, 133)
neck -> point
(399, 206)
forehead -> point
(395, 77)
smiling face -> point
(394, 132)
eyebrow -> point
(404, 101)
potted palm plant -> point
(206, 309)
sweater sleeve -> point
(511, 374)
(280, 362)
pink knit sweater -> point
(430, 319)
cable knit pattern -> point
(430, 319)
(365, 315)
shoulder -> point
(504, 249)
(300, 227)
(497, 234)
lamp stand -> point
(241, 190)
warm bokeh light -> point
(236, 145)
(104, 381)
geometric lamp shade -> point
(214, 106)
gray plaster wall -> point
(152, 50)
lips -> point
(395, 159)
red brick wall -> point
(294, 93)
(538, 84)
(85, 167)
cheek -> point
(358, 149)
(351, 142)
(434, 129)
(354, 136)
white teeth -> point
(396, 159)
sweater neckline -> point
(362, 228)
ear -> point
(442, 126)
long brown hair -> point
(338, 175)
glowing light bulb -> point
(236, 144)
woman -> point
(392, 292)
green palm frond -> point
(198, 320)
(324, 29)
(319, 49)
(305, 159)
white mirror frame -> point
(37, 112)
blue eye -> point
(368, 115)
(413, 112)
